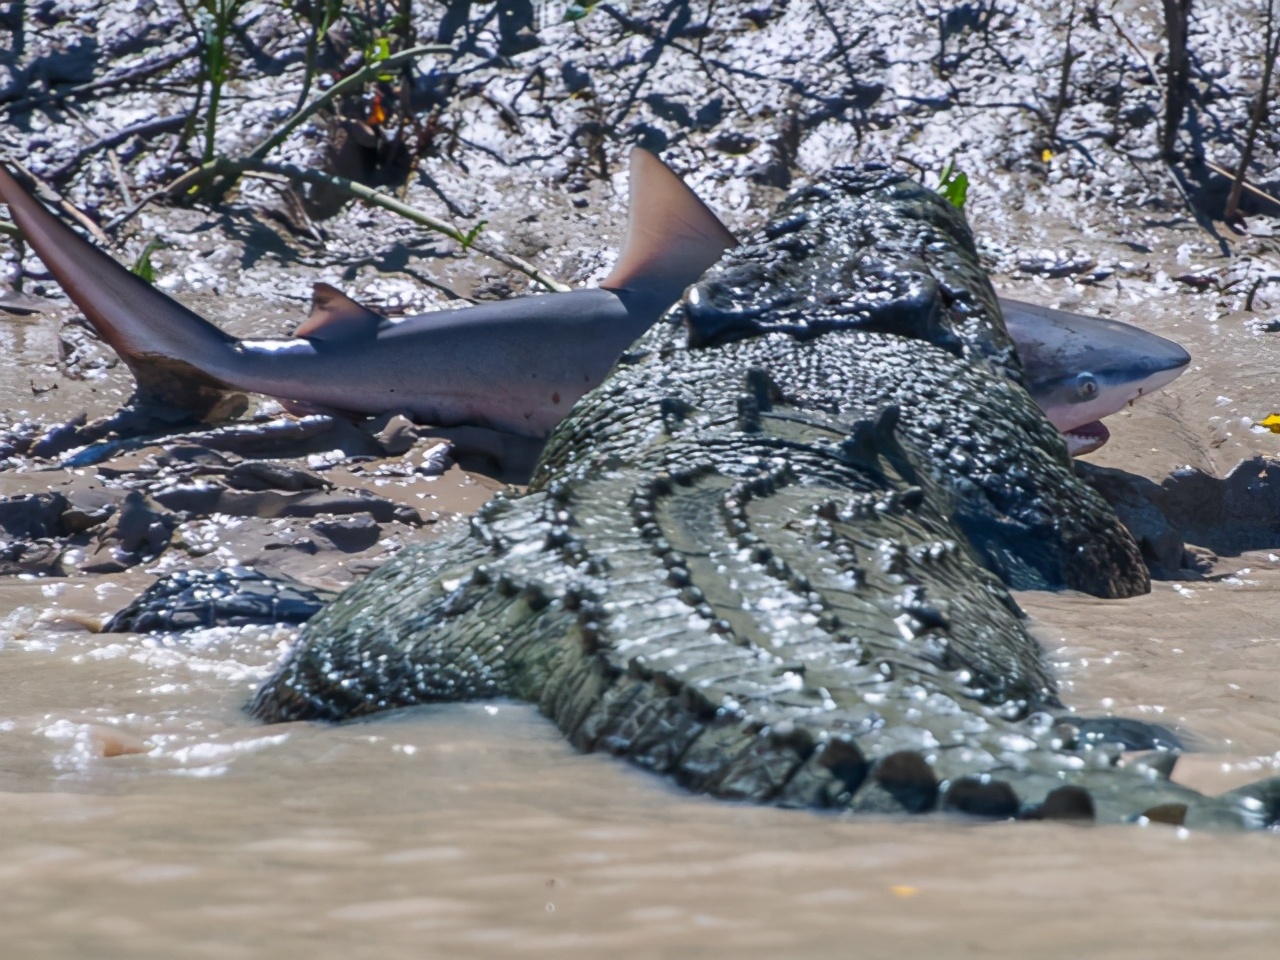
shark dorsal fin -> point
(335, 316)
(672, 236)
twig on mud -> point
(116, 222)
(1069, 57)
(207, 174)
(67, 207)
(1206, 223)
(1253, 292)
(128, 75)
(1142, 55)
(1244, 183)
(643, 29)
(123, 183)
(467, 239)
(846, 59)
(1177, 17)
(1270, 50)
(427, 281)
(144, 129)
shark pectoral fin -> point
(672, 236)
(335, 316)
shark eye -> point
(1086, 386)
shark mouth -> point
(1086, 438)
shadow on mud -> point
(1190, 512)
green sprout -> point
(953, 185)
(468, 238)
(142, 267)
(213, 22)
(578, 10)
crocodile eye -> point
(1086, 386)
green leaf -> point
(953, 185)
(470, 236)
(379, 51)
(578, 10)
(142, 266)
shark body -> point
(518, 365)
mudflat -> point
(147, 815)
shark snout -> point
(1165, 357)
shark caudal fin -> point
(672, 236)
(165, 345)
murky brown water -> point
(474, 831)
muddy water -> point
(474, 831)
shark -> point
(1081, 369)
(517, 366)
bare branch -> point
(1270, 50)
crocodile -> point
(770, 556)
(225, 597)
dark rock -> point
(195, 454)
(59, 437)
(734, 143)
(1239, 512)
(268, 503)
(199, 499)
(271, 475)
(709, 114)
(79, 519)
(137, 530)
(284, 437)
(395, 432)
(1221, 516)
(350, 534)
(39, 557)
(574, 78)
(1134, 500)
(32, 516)
(668, 109)
(204, 498)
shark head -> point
(1081, 369)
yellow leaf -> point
(902, 890)
(1272, 423)
(1047, 155)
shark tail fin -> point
(672, 236)
(166, 345)
(335, 316)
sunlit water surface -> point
(146, 816)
